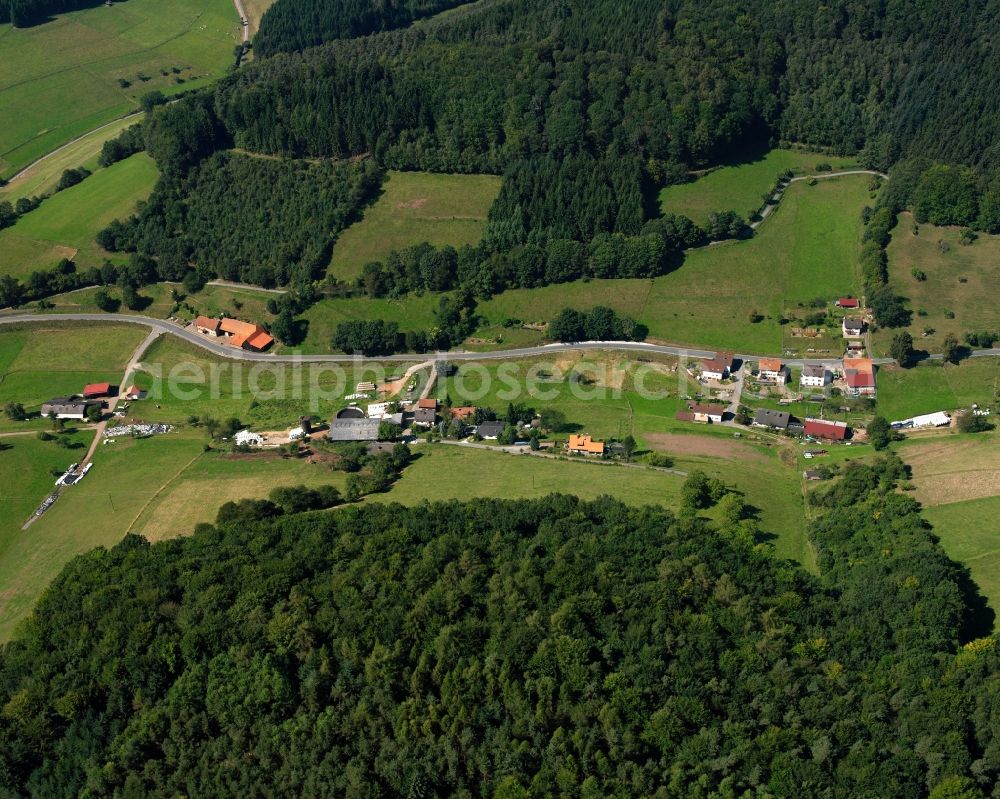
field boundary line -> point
(160, 490)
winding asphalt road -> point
(226, 351)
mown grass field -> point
(969, 534)
(65, 224)
(41, 361)
(933, 386)
(807, 249)
(957, 480)
(60, 78)
(975, 303)
(25, 464)
(740, 187)
(415, 207)
(42, 177)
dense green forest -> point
(23, 13)
(255, 220)
(296, 24)
(511, 649)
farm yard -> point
(740, 187)
(85, 68)
(415, 207)
(960, 289)
(38, 362)
(64, 225)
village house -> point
(706, 413)
(584, 445)
(776, 420)
(489, 430)
(812, 474)
(463, 412)
(717, 368)
(425, 412)
(820, 428)
(245, 335)
(859, 375)
(814, 375)
(133, 392)
(848, 302)
(852, 327)
(207, 326)
(771, 370)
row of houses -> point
(858, 375)
(244, 335)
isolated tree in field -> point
(15, 411)
(553, 419)
(951, 349)
(879, 433)
(696, 493)
(629, 444)
(901, 348)
(973, 423)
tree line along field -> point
(65, 224)
(741, 186)
(60, 79)
(808, 248)
(960, 286)
(415, 207)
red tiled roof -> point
(96, 389)
(848, 302)
(856, 379)
(260, 340)
(207, 323)
(715, 365)
(430, 404)
(836, 431)
(462, 411)
(769, 364)
(708, 410)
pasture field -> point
(808, 248)
(42, 361)
(740, 187)
(415, 207)
(25, 464)
(936, 251)
(957, 480)
(935, 386)
(42, 177)
(212, 300)
(969, 534)
(61, 79)
(65, 224)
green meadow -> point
(960, 289)
(936, 386)
(61, 79)
(740, 187)
(415, 207)
(41, 178)
(64, 225)
(808, 248)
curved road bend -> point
(225, 351)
